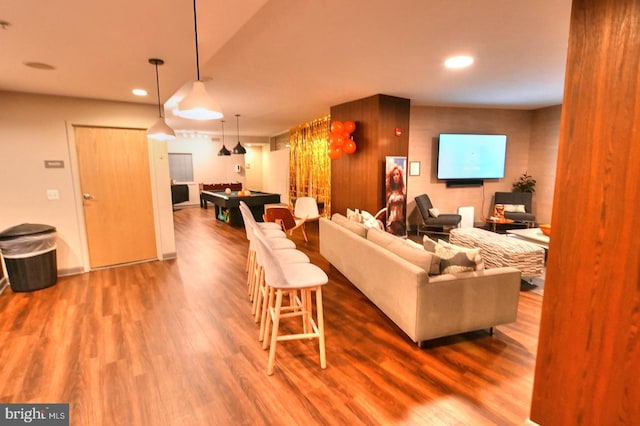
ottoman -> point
(499, 250)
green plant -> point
(525, 183)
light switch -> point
(53, 194)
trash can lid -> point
(25, 229)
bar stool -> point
(260, 296)
(271, 231)
(281, 278)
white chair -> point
(281, 278)
(306, 208)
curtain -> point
(310, 166)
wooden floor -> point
(173, 343)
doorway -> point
(115, 183)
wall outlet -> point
(53, 194)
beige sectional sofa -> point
(424, 306)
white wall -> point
(36, 128)
(276, 173)
(209, 167)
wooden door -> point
(116, 187)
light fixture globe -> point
(198, 105)
(160, 130)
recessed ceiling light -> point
(139, 92)
(458, 62)
(40, 66)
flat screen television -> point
(471, 157)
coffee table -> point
(494, 222)
(532, 235)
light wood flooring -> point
(173, 343)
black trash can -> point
(29, 252)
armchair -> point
(516, 200)
(432, 221)
(284, 217)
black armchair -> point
(434, 224)
(516, 199)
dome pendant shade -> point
(199, 105)
(238, 149)
(223, 150)
(161, 131)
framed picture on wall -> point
(414, 168)
(396, 195)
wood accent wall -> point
(357, 180)
(588, 362)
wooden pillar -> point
(588, 362)
(357, 180)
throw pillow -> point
(434, 262)
(515, 208)
(434, 212)
(454, 259)
(354, 215)
(369, 221)
(429, 244)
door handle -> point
(87, 196)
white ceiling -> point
(280, 63)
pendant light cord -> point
(238, 126)
(195, 26)
(158, 90)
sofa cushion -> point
(406, 249)
(355, 227)
(454, 259)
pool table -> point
(228, 205)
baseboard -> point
(70, 271)
(530, 422)
(172, 255)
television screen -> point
(471, 156)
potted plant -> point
(525, 183)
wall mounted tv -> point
(465, 158)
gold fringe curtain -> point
(310, 166)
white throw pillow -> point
(434, 212)
(514, 208)
(429, 244)
(354, 215)
(455, 259)
(369, 221)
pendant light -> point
(238, 149)
(160, 130)
(198, 104)
(223, 150)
